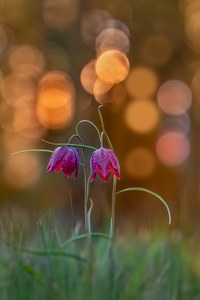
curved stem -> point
(107, 138)
(151, 193)
(89, 122)
(103, 129)
(74, 136)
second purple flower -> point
(104, 161)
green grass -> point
(141, 267)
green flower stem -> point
(84, 169)
(72, 211)
(101, 140)
(90, 247)
(86, 203)
(89, 122)
(103, 129)
(103, 133)
(112, 219)
(89, 232)
(112, 238)
(89, 219)
(151, 193)
(87, 189)
(101, 118)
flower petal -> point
(70, 162)
(105, 177)
(93, 165)
(56, 158)
(115, 167)
(103, 161)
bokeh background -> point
(60, 59)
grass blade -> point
(151, 193)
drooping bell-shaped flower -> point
(66, 159)
(103, 161)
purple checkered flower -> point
(103, 161)
(66, 159)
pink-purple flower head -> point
(66, 159)
(103, 161)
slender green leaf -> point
(151, 193)
(32, 150)
(71, 145)
(51, 253)
(83, 236)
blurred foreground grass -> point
(145, 266)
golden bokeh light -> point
(56, 100)
(60, 14)
(173, 148)
(142, 82)
(118, 10)
(142, 116)
(187, 7)
(90, 25)
(14, 86)
(27, 60)
(88, 76)
(13, 142)
(192, 29)
(140, 163)
(3, 39)
(56, 118)
(26, 123)
(21, 120)
(174, 97)
(33, 131)
(112, 38)
(6, 117)
(22, 117)
(100, 89)
(21, 171)
(195, 86)
(53, 97)
(113, 99)
(112, 66)
(157, 49)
